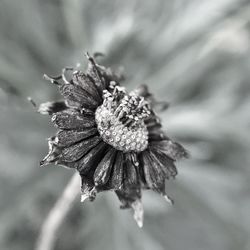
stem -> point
(51, 225)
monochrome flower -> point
(112, 137)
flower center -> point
(120, 120)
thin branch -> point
(51, 225)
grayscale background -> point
(194, 54)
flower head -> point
(112, 137)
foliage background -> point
(194, 54)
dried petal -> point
(72, 119)
(173, 149)
(69, 137)
(138, 212)
(85, 82)
(88, 189)
(76, 96)
(166, 163)
(153, 173)
(91, 160)
(102, 172)
(117, 172)
(76, 151)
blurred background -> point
(193, 54)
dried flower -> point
(112, 137)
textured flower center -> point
(120, 120)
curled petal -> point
(53, 154)
(88, 189)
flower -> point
(112, 137)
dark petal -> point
(88, 189)
(103, 170)
(77, 97)
(49, 108)
(157, 135)
(166, 163)
(76, 151)
(69, 137)
(91, 160)
(128, 195)
(152, 170)
(117, 172)
(72, 119)
(88, 86)
(130, 173)
(172, 149)
(95, 75)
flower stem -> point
(51, 225)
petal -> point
(152, 170)
(91, 160)
(173, 149)
(88, 189)
(85, 83)
(102, 172)
(53, 154)
(130, 174)
(166, 163)
(95, 75)
(48, 108)
(69, 137)
(117, 172)
(72, 119)
(128, 195)
(76, 151)
(77, 97)
(138, 212)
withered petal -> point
(76, 151)
(128, 195)
(130, 174)
(72, 119)
(103, 170)
(152, 170)
(76, 96)
(88, 189)
(173, 149)
(69, 137)
(166, 163)
(117, 172)
(85, 82)
(91, 160)
(95, 75)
